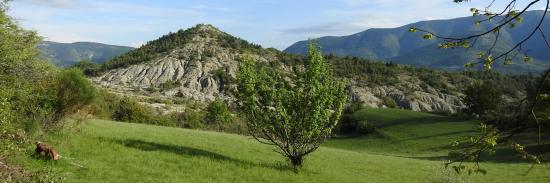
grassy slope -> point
(122, 152)
(405, 133)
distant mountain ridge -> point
(400, 46)
(66, 54)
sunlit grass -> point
(122, 152)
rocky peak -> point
(207, 28)
(197, 64)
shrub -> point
(170, 84)
(104, 105)
(130, 111)
(88, 68)
(190, 119)
(482, 98)
(218, 113)
(389, 102)
(74, 91)
(348, 123)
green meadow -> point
(404, 146)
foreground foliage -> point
(34, 95)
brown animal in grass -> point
(43, 150)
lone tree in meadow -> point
(295, 113)
(533, 111)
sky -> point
(270, 23)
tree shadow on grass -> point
(418, 121)
(504, 155)
(195, 152)
(463, 132)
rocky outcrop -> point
(430, 100)
(191, 71)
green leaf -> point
(508, 61)
(480, 54)
(527, 59)
(519, 19)
(469, 64)
(488, 62)
(428, 36)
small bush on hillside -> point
(104, 105)
(170, 84)
(74, 92)
(190, 119)
(218, 113)
(389, 102)
(129, 110)
(88, 68)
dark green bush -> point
(88, 68)
(74, 92)
(389, 102)
(190, 119)
(483, 98)
(218, 113)
(130, 111)
(348, 122)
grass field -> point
(399, 151)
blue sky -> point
(271, 23)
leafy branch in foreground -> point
(531, 113)
(294, 113)
(509, 16)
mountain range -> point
(66, 54)
(401, 46)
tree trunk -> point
(296, 161)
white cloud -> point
(137, 44)
(52, 3)
(141, 9)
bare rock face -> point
(429, 99)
